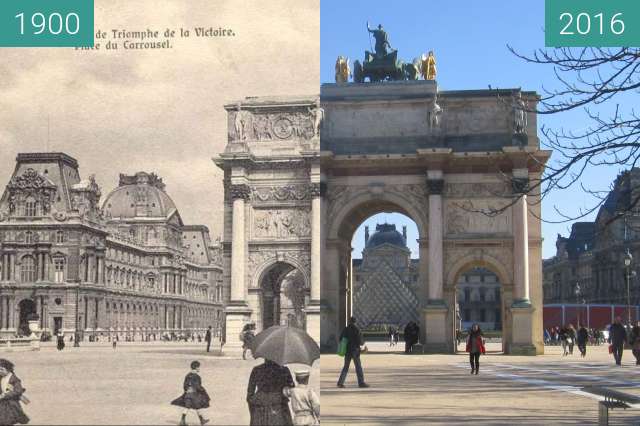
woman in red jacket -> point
(475, 347)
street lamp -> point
(577, 292)
(628, 258)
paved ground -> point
(438, 389)
(132, 385)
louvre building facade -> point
(127, 266)
(591, 258)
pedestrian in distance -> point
(564, 340)
(475, 347)
(634, 341)
(60, 340)
(571, 338)
(207, 338)
(247, 336)
(11, 394)
(392, 332)
(268, 403)
(195, 396)
(617, 339)
(305, 403)
(581, 339)
(411, 336)
(354, 341)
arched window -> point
(59, 269)
(28, 269)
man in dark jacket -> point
(411, 336)
(617, 338)
(207, 338)
(354, 341)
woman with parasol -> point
(278, 345)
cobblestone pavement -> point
(131, 385)
(438, 389)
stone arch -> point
(477, 258)
(265, 266)
(341, 224)
(365, 204)
(270, 303)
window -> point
(467, 315)
(483, 315)
(58, 266)
(28, 269)
(30, 208)
(467, 295)
(28, 237)
(59, 237)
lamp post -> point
(628, 258)
(577, 292)
(76, 338)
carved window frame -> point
(27, 268)
(59, 268)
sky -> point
(470, 40)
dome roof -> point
(386, 234)
(137, 196)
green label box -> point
(592, 23)
(46, 23)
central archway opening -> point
(284, 296)
(385, 292)
(479, 300)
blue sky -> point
(470, 40)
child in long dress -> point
(304, 401)
(195, 396)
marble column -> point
(435, 312)
(313, 310)
(436, 285)
(2, 312)
(521, 243)
(522, 341)
(239, 194)
(238, 311)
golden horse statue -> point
(343, 72)
(429, 66)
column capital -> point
(520, 185)
(239, 191)
(318, 189)
(435, 186)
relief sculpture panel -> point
(281, 223)
(467, 217)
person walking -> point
(268, 404)
(571, 338)
(195, 396)
(60, 340)
(617, 339)
(354, 340)
(582, 339)
(563, 334)
(305, 403)
(11, 393)
(411, 334)
(207, 338)
(634, 341)
(475, 347)
(392, 332)
(247, 336)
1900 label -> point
(46, 23)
